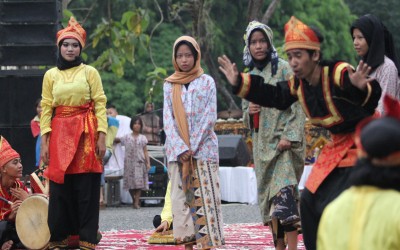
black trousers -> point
(74, 208)
(312, 205)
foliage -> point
(324, 16)
(133, 53)
(114, 46)
(125, 36)
(122, 94)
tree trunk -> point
(225, 93)
(201, 27)
(254, 10)
(270, 11)
(64, 4)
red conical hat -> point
(300, 36)
(7, 153)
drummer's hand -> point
(14, 209)
(229, 69)
(101, 145)
(254, 108)
(19, 193)
(162, 227)
(44, 149)
(7, 245)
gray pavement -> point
(125, 217)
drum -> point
(31, 222)
(39, 183)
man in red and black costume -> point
(332, 96)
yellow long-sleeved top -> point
(166, 213)
(72, 87)
(361, 218)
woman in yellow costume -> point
(73, 127)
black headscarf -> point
(374, 30)
(63, 64)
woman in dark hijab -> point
(374, 44)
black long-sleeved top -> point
(335, 103)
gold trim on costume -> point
(369, 89)
(302, 100)
(334, 116)
(246, 83)
(302, 45)
(69, 78)
(337, 73)
(86, 245)
(292, 86)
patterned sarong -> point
(199, 221)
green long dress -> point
(274, 169)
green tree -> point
(117, 35)
(125, 36)
(331, 17)
(213, 29)
(130, 72)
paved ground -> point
(125, 217)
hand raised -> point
(229, 69)
(360, 77)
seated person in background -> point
(151, 124)
(11, 190)
(366, 216)
(163, 222)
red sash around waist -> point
(341, 152)
(73, 142)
